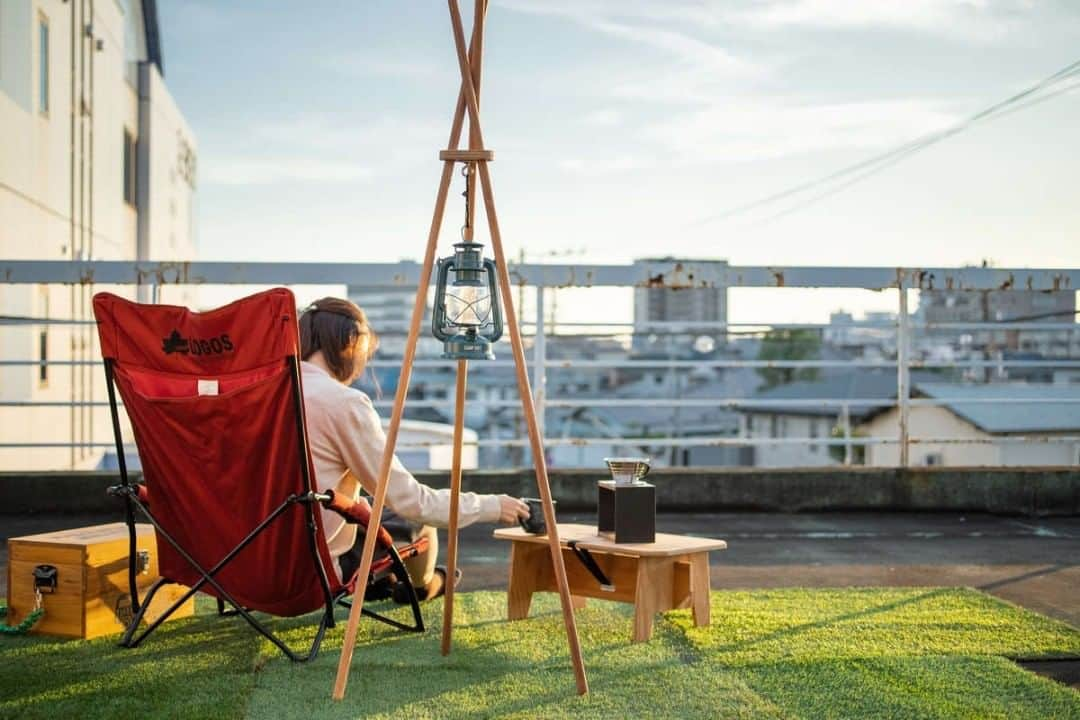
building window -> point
(814, 447)
(43, 339)
(43, 65)
(129, 168)
(933, 459)
(773, 422)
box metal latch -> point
(45, 578)
(143, 562)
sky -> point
(623, 128)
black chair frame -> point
(128, 492)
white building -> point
(795, 414)
(96, 163)
(1002, 427)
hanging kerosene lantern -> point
(467, 317)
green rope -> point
(24, 627)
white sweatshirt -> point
(347, 441)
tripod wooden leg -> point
(524, 390)
(475, 64)
(349, 644)
(455, 497)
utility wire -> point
(893, 160)
(877, 163)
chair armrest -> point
(356, 512)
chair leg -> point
(136, 620)
(414, 601)
(129, 640)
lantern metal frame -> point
(476, 158)
(467, 264)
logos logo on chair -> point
(177, 343)
(174, 343)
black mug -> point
(535, 523)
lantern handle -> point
(438, 315)
(496, 306)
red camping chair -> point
(216, 404)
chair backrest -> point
(216, 406)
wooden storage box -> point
(91, 597)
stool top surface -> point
(666, 544)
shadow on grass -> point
(830, 621)
(852, 623)
(518, 669)
(947, 688)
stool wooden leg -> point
(527, 566)
(646, 596)
(653, 593)
(700, 588)
(579, 601)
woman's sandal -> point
(434, 589)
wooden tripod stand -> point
(476, 157)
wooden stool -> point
(671, 573)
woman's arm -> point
(361, 442)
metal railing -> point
(651, 275)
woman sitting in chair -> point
(347, 441)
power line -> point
(873, 165)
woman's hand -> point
(511, 509)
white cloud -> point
(607, 117)
(344, 135)
(370, 64)
(971, 19)
(939, 16)
(317, 147)
(625, 21)
(759, 128)
(601, 165)
(265, 170)
(694, 12)
(702, 55)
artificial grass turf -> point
(876, 653)
(193, 668)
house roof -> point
(975, 403)
(876, 389)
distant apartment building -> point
(96, 163)
(873, 335)
(945, 307)
(680, 297)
